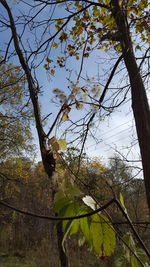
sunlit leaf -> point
(46, 67)
(65, 117)
(122, 201)
(71, 210)
(55, 45)
(49, 60)
(103, 235)
(62, 144)
(60, 21)
(63, 36)
(85, 228)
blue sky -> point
(116, 132)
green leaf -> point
(122, 201)
(103, 235)
(63, 37)
(74, 227)
(120, 261)
(60, 201)
(135, 262)
(73, 191)
(142, 255)
(85, 227)
(131, 260)
(71, 210)
(128, 239)
(71, 227)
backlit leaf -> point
(49, 60)
(122, 201)
(65, 117)
(52, 71)
(62, 144)
(103, 235)
(85, 228)
(55, 45)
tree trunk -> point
(62, 256)
(140, 104)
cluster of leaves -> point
(126, 258)
(96, 230)
(55, 145)
(79, 97)
(93, 27)
(15, 111)
(14, 172)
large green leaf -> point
(71, 227)
(120, 261)
(73, 209)
(85, 228)
(135, 262)
(60, 201)
(103, 235)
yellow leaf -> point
(62, 144)
(49, 60)
(55, 45)
(52, 72)
(46, 67)
(80, 30)
(63, 37)
(65, 117)
(57, 27)
(96, 13)
(60, 21)
(78, 104)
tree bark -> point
(140, 104)
(63, 258)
